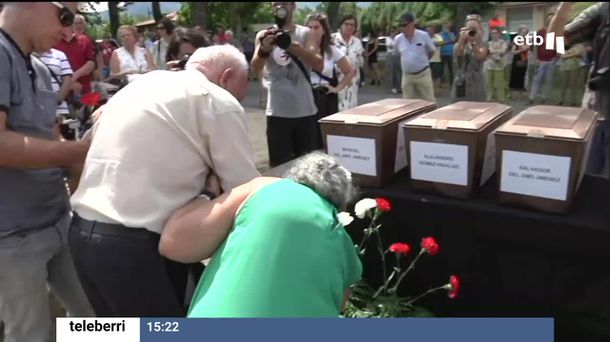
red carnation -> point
(454, 282)
(383, 204)
(430, 245)
(91, 99)
(400, 248)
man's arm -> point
(310, 58)
(195, 231)
(23, 152)
(230, 148)
(261, 53)
(581, 29)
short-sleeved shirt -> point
(58, 64)
(289, 94)
(79, 51)
(330, 62)
(414, 54)
(287, 256)
(447, 49)
(161, 136)
(29, 199)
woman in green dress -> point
(286, 254)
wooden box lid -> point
(557, 122)
(381, 112)
(463, 115)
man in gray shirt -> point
(291, 122)
(34, 207)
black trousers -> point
(327, 104)
(123, 273)
(448, 60)
(290, 138)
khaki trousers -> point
(418, 86)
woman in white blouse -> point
(326, 84)
(130, 60)
(351, 46)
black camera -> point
(600, 80)
(182, 62)
(472, 32)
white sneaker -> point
(394, 91)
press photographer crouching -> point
(291, 112)
(326, 84)
(593, 24)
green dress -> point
(287, 256)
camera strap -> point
(298, 62)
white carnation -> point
(363, 206)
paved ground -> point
(256, 100)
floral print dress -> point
(348, 97)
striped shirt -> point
(58, 64)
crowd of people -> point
(166, 176)
(500, 70)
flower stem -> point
(425, 294)
(380, 247)
(411, 266)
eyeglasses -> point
(66, 17)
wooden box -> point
(542, 155)
(367, 139)
(451, 150)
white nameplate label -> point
(355, 154)
(440, 163)
(537, 175)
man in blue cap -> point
(416, 48)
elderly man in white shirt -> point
(154, 146)
(416, 48)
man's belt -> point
(419, 72)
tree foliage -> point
(229, 15)
(381, 16)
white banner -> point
(533, 174)
(88, 329)
(440, 163)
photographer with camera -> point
(593, 24)
(470, 53)
(291, 111)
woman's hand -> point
(333, 90)
(464, 34)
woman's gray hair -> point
(326, 176)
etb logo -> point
(533, 39)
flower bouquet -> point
(384, 301)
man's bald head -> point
(224, 65)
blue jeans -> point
(599, 156)
(30, 262)
(545, 70)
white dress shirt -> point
(414, 53)
(154, 146)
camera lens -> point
(472, 33)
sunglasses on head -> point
(66, 17)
